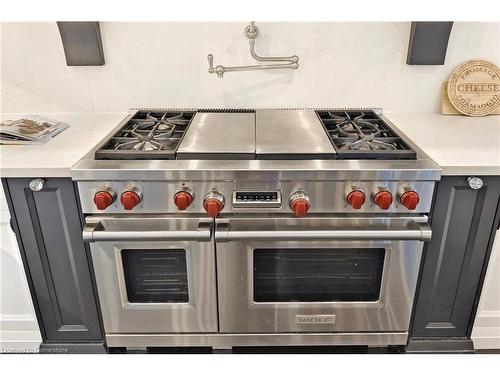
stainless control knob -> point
(409, 199)
(183, 199)
(475, 183)
(299, 203)
(383, 199)
(213, 203)
(356, 199)
(129, 199)
(37, 184)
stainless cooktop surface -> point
(273, 134)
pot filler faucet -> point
(251, 32)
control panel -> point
(224, 197)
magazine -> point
(30, 129)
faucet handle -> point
(210, 63)
(219, 69)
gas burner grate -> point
(147, 135)
(363, 135)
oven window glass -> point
(317, 275)
(156, 275)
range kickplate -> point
(363, 135)
(148, 135)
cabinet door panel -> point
(49, 227)
(462, 224)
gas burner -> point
(148, 135)
(363, 135)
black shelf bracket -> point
(82, 43)
(428, 43)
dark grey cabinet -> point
(48, 226)
(463, 222)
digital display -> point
(256, 199)
(255, 196)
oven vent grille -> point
(377, 110)
(226, 110)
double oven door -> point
(154, 274)
(282, 275)
(161, 274)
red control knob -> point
(182, 200)
(130, 199)
(383, 199)
(300, 206)
(356, 199)
(103, 199)
(410, 199)
(213, 207)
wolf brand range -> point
(264, 227)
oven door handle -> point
(412, 232)
(95, 232)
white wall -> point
(164, 64)
(18, 326)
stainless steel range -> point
(263, 227)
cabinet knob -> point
(37, 184)
(475, 183)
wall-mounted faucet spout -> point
(251, 32)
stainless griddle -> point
(291, 134)
(219, 135)
(260, 134)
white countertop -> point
(56, 157)
(460, 145)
